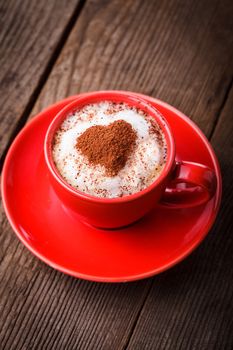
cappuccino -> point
(109, 149)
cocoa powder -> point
(109, 146)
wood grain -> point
(191, 306)
(181, 52)
(44, 309)
(30, 35)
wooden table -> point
(178, 51)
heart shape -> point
(109, 146)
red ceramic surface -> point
(119, 212)
(153, 244)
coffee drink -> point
(109, 149)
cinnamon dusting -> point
(109, 146)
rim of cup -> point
(112, 96)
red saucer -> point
(150, 246)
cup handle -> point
(191, 184)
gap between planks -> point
(221, 107)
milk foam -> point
(142, 167)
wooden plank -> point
(178, 51)
(44, 309)
(30, 39)
(191, 306)
(170, 49)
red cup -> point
(180, 185)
